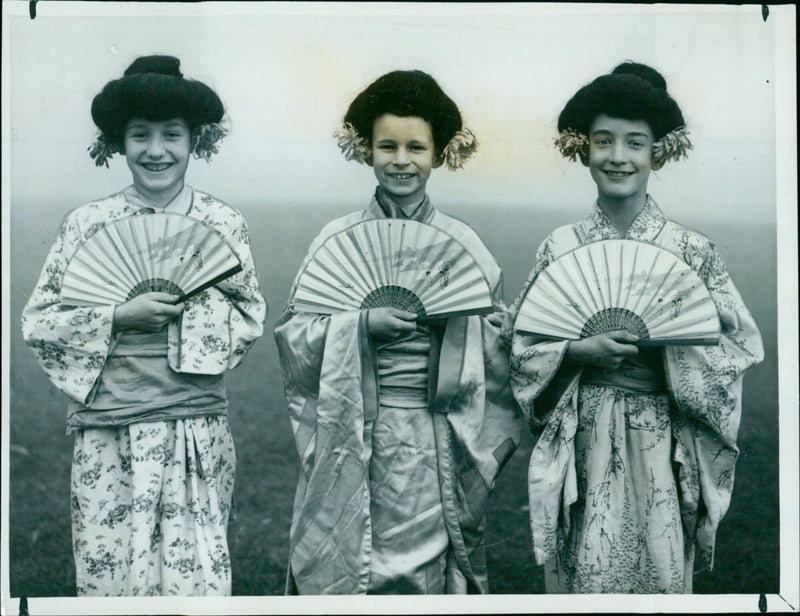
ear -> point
(438, 160)
(584, 159)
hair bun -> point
(160, 65)
(649, 74)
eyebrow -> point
(144, 124)
(608, 132)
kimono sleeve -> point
(706, 385)
(537, 380)
(219, 326)
(70, 343)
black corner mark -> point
(764, 12)
(32, 8)
(762, 603)
(23, 601)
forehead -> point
(406, 128)
(156, 125)
(620, 126)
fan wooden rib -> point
(400, 263)
(620, 284)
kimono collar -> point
(645, 227)
(383, 206)
(180, 204)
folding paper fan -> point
(163, 252)
(399, 263)
(620, 284)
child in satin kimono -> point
(401, 427)
(633, 467)
(154, 463)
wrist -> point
(119, 319)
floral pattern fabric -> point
(613, 475)
(150, 508)
(151, 499)
(213, 334)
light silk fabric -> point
(358, 525)
(627, 488)
(152, 479)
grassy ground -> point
(40, 546)
(40, 543)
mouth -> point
(156, 167)
(618, 175)
(401, 176)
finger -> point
(627, 350)
(404, 326)
(164, 298)
(623, 335)
(404, 314)
(495, 319)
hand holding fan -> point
(397, 263)
(620, 284)
(164, 252)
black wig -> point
(406, 93)
(154, 89)
(632, 91)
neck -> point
(160, 197)
(408, 203)
(622, 212)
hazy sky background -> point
(288, 73)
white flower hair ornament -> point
(102, 149)
(672, 146)
(353, 146)
(459, 149)
(204, 144)
(572, 144)
(205, 139)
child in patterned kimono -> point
(153, 467)
(633, 467)
(401, 427)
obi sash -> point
(137, 384)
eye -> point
(602, 141)
(138, 135)
(636, 144)
(174, 134)
(417, 147)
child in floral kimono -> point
(153, 467)
(633, 467)
(401, 427)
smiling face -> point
(158, 154)
(620, 159)
(403, 154)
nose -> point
(155, 147)
(401, 157)
(617, 155)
